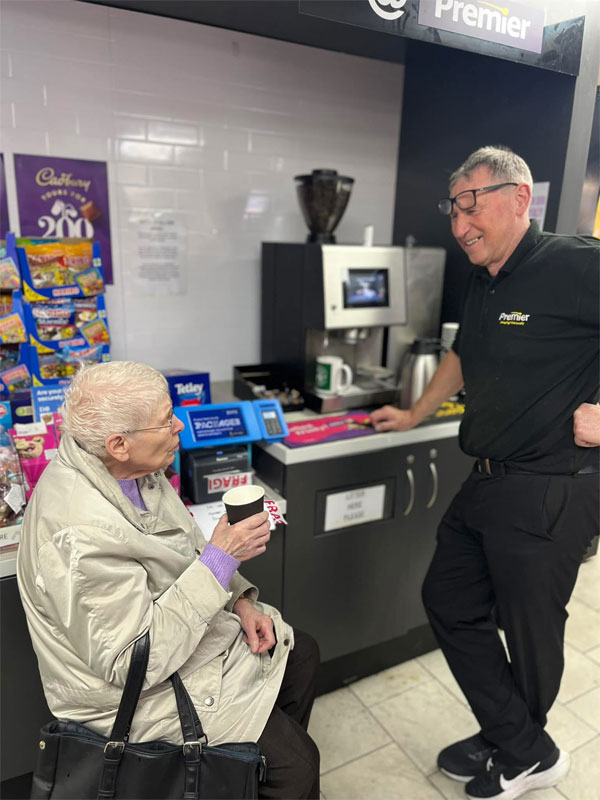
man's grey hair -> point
(110, 398)
(503, 164)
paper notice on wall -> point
(539, 202)
(160, 253)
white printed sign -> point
(208, 514)
(160, 254)
(354, 507)
(221, 481)
(539, 202)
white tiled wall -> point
(210, 125)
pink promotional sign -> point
(64, 197)
(329, 429)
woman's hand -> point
(257, 626)
(245, 539)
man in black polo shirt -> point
(510, 545)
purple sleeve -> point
(220, 563)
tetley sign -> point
(503, 22)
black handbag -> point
(75, 763)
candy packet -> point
(55, 321)
(9, 274)
(36, 446)
(90, 281)
(12, 329)
(78, 257)
(15, 379)
(65, 363)
(96, 332)
(12, 490)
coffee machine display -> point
(323, 197)
(350, 306)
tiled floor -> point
(379, 737)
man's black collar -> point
(531, 237)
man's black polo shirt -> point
(529, 350)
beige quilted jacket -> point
(95, 573)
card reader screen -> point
(217, 423)
(366, 288)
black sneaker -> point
(507, 783)
(463, 760)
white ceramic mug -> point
(332, 376)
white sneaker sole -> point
(460, 778)
(541, 780)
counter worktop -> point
(221, 392)
(360, 444)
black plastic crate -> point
(273, 381)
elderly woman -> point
(108, 551)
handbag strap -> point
(193, 737)
(115, 747)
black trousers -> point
(508, 551)
(292, 756)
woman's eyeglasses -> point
(154, 427)
(468, 199)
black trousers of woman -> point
(511, 544)
(292, 756)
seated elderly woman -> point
(108, 551)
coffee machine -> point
(363, 304)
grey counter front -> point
(362, 517)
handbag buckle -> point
(114, 745)
(187, 746)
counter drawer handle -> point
(434, 475)
(411, 483)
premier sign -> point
(510, 23)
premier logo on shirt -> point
(513, 318)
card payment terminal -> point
(231, 423)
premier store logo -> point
(388, 9)
(502, 22)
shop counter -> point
(362, 516)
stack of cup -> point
(449, 330)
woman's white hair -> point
(110, 398)
(503, 164)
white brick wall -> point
(194, 121)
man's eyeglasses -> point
(155, 427)
(468, 199)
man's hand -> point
(245, 539)
(389, 418)
(258, 627)
(586, 425)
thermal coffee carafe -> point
(418, 368)
(323, 197)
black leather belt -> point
(496, 468)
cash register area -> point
(379, 737)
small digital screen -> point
(217, 423)
(366, 288)
(269, 414)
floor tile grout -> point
(357, 758)
(390, 696)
